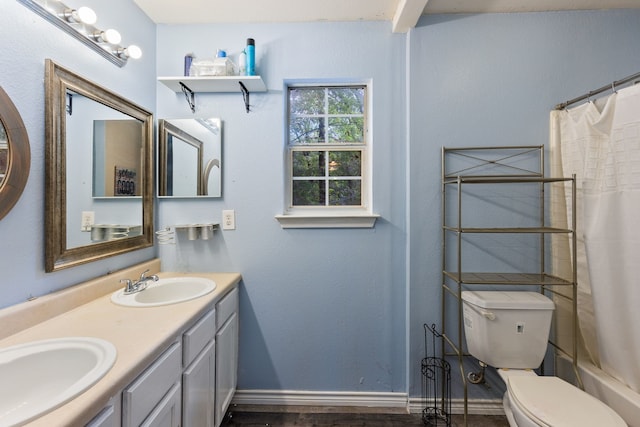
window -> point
(328, 152)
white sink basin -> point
(40, 376)
(170, 290)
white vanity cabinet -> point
(153, 399)
(191, 384)
(211, 364)
(226, 353)
(199, 376)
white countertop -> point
(139, 335)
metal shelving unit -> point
(513, 176)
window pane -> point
(343, 192)
(346, 129)
(308, 163)
(345, 163)
(306, 130)
(309, 193)
(346, 100)
(306, 101)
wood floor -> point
(325, 417)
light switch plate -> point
(229, 219)
(88, 219)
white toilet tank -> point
(507, 329)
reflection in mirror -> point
(190, 152)
(99, 197)
(117, 157)
(15, 154)
(112, 141)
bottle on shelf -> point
(251, 57)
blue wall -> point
(325, 310)
(491, 79)
(320, 309)
(26, 40)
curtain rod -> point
(588, 95)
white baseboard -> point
(320, 398)
(358, 399)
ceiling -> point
(403, 13)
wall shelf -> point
(214, 84)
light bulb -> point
(132, 51)
(110, 36)
(85, 15)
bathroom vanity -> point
(176, 364)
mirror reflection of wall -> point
(90, 172)
(117, 158)
(190, 158)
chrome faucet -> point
(132, 287)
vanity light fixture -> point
(79, 23)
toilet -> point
(509, 330)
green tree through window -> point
(327, 143)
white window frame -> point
(360, 216)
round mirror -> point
(15, 155)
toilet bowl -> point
(543, 401)
(509, 330)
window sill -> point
(327, 221)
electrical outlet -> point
(88, 219)
(229, 219)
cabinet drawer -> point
(142, 396)
(226, 307)
(197, 337)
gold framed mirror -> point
(80, 226)
(15, 154)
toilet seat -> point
(553, 402)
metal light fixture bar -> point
(57, 12)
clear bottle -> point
(242, 64)
(222, 66)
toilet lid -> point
(553, 402)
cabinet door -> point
(226, 365)
(108, 417)
(198, 383)
(168, 411)
(141, 397)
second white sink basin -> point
(39, 376)
(165, 291)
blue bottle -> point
(251, 57)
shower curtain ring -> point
(613, 87)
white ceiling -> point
(403, 13)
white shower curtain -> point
(600, 143)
